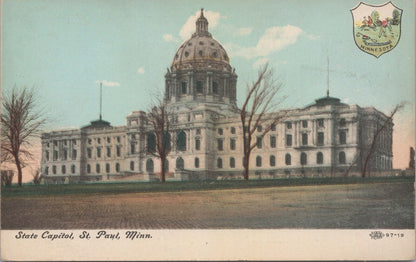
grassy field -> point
(138, 187)
(297, 203)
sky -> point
(64, 49)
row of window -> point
(107, 139)
(342, 122)
(64, 155)
(342, 138)
(65, 142)
(272, 161)
(199, 87)
(108, 152)
(259, 129)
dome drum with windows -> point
(200, 70)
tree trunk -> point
(19, 171)
(246, 166)
(162, 170)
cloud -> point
(243, 31)
(107, 83)
(189, 27)
(141, 70)
(273, 40)
(169, 38)
(260, 62)
(313, 37)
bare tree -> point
(37, 176)
(378, 131)
(159, 119)
(255, 112)
(6, 177)
(21, 121)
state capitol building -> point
(326, 138)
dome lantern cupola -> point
(202, 25)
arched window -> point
(151, 143)
(319, 158)
(272, 160)
(63, 169)
(219, 163)
(107, 167)
(88, 168)
(73, 169)
(303, 158)
(117, 167)
(196, 162)
(149, 165)
(288, 159)
(258, 161)
(180, 163)
(97, 168)
(181, 141)
(232, 162)
(131, 165)
(341, 157)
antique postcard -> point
(196, 130)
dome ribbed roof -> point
(201, 51)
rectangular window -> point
(342, 137)
(232, 130)
(259, 128)
(98, 152)
(304, 139)
(259, 142)
(342, 122)
(197, 144)
(118, 139)
(108, 151)
(74, 154)
(304, 123)
(220, 145)
(132, 148)
(47, 155)
(118, 149)
(55, 155)
(320, 138)
(321, 122)
(199, 87)
(183, 87)
(288, 140)
(65, 155)
(273, 141)
(288, 125)
(273, 127)
(89, 152)
(108, 139)
(232, 144)
(74, 142)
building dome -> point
(201, 51)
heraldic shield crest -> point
(376, 28)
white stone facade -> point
(327, 138)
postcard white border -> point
(229, 244)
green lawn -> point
(137, 187)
